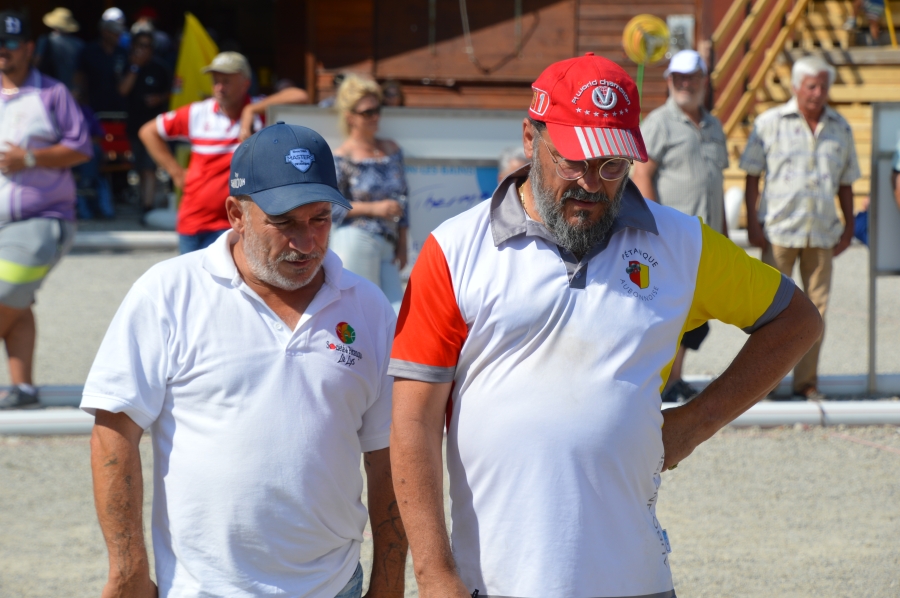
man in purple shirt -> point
(42, 135)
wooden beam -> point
(739, 38)
(736, 9)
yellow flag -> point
(197, 51)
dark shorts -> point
(692, 339)
(142, 159)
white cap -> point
(686, 62)
(228, 63)
(114, 14)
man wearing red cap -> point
(540, 327)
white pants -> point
(370, 256)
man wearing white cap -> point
(214, 127)
(687, 157)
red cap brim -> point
(587, 143)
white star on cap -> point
(596, 114)
(625, 111)
(578, 110)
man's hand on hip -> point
(12, 159)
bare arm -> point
(416, 436)
(119, 499)
(845, 197)
(12, 157)
(389, 537)
(291, 95)
(767, 356)
(751, 199)
(159, 151)
(642, 175)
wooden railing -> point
(728, 80)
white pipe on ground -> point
(43, 422)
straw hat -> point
(62, 19)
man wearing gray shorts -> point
(42, 135)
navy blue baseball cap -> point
(283, 167)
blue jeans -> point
(372, 257)
(92, 189)
(189, 243)
(353, 589)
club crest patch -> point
(300, 158)
(638, 270)
(604, 97)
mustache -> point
(580, 194)
(296, 256)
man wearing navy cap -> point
(260, 366)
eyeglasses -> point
(11, 44)
(370, 113)
(612, 169)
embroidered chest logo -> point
(638, 266)
(301, 158)
(347, 336)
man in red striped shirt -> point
(214, 127)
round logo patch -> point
(345, 332)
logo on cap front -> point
(301, 158)
(13, 26)
(604, 97)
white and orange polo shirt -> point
(213, 137)
(554, 445)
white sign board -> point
(451, 155)
(884, 215)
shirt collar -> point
(32, 82)
(217, 108)
(508, 218)
(792, 108)
(218, 261)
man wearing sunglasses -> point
(540, 327)
(42, 136)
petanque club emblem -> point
(301, 158)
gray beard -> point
(581, 237)
(267, 271)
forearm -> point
(416, 438)
(388, 534)
(119, 494)
(158, 148)
(291, 95)
(845, 198)
(751, 198)
(767, 356)
(58, 156)
(127, 83)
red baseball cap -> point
(591, 108)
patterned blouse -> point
(374, 179)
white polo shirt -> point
(257, 429)
(554, 446)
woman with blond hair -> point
(371, 241)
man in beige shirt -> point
(806, 150)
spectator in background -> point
(873, 11)
(894, 174)
(392, 94)
(806, 150)
(42, 136)
(214, 127)
(57, 53)
(93, 193)
(103, 64)
(336, 84)
(145, 88)
(163, 48)
(371, 240)
(685, 170)
(116, 15)
(511, 160)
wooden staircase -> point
(864, 74)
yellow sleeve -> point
(734, 288)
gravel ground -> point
(787, 512)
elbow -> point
(147, 132)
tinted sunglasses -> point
(370, 113)
(11, 44)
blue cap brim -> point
(280, 200)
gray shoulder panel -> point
(417, 371)
(779, 303)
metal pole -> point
(873, 249)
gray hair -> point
(510, 155)
(811, 66)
